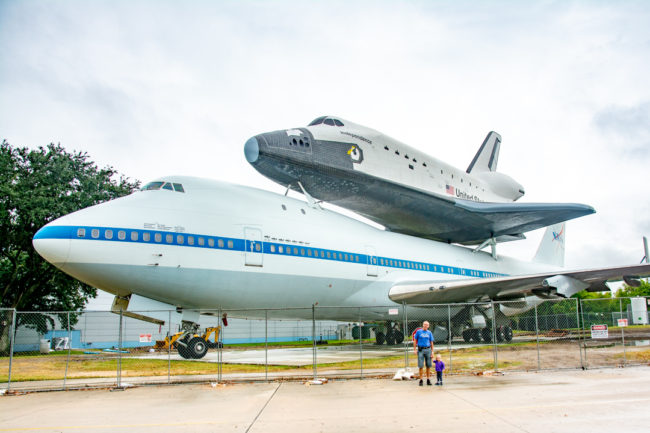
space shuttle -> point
(403, 189)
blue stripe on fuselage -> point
(115, 234)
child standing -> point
(440, 366)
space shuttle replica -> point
(402, 188)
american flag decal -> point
(450, 189)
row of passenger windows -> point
(158, 237)
(257, 246)
(310, 252)
(178, 187)
(403, 264)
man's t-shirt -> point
(424, 338)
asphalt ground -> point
(604, 400)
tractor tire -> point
(380, 338)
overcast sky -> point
(154, 88)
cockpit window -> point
(178, 187)
(327, 121)
(151, 186)
(317, 121)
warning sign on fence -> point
(599, 331)
(622, 323)
(145, 338)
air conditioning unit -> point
(638, 311)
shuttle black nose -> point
(252, 150)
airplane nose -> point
(252, 150)
(53, 244)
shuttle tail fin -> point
(551, 248)
(488, 155)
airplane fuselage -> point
(217, 245)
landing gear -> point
(392, 336)
(503, 333)
(197, 348)
(190, 344)
(472, 335)
(507, 333)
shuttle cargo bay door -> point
(254, 248)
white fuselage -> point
(218, 245)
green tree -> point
(630, 292)
(36, 187)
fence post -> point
(360, 346)
(620, 307)
(169, 347)
(67, 361)
(119, 355)
(584, 336)
(266, 345)
(537, 338)
(406, 331)
(313, 336)
(220, 346)
(12, 337)
(494, 337)
(579, 332)
(450, 335)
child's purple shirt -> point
(439, 365)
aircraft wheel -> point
(399, 336)
(183, 351)
(390, 338)
(197, 348)
(380, 337)
(476, 335)
(507, 333)
(486, 333)
(500, 334)
(467, 335)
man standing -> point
(423, 345)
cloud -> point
(155, 88)
(627, 127)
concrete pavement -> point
(606, 400)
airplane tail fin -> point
(551, 249)
(488, 155)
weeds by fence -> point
(62, 350)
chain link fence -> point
(66, 350)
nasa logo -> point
(356, 154)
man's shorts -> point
(424, 355)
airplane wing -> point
(427, 215)
(552, 285)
